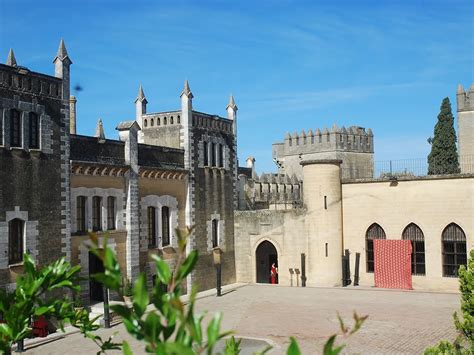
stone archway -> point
(265, 255)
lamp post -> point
(105, 291)
(217, 262)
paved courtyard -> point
(399, 322)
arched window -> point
(221, 155)
(373, 232)
(81, 214)
(215, 233)
(413, 233)
(152, 122)
(171, 120)
(34, 130)
(164, 121)
(165, 225)
(179, 119)
(15, 241)
(206, 153)
(145, 123)
(151, 227)
(15, 128)
(213, 154)
(158, 122)
(96, 213)
(454, 249)
(111, 213)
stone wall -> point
(32, 181)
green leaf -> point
(126, 349)
(140, 295)
(42, 310)
(152, 325)
(213, 331)
(294, 349)
(162, 270)
(187, 266)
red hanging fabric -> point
(392, 263)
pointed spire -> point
(141, 95)
(99, 130)
(231, 103)
(186, 90)
(460, 89)
(11, 60)
(62, 54)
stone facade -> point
(34, 162)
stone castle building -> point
(179, 167)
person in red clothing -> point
(273, 274)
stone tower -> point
(465, 103)
(322, 193)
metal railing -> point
(402, 168)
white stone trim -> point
(158, 202)
(103, 193)
(220, 232)
(30, 236)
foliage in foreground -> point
(464, 342)
(160, 320)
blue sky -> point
(291, 65)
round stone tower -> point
(323, 200)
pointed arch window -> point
(34, 130)
(373, 232)
(454, 249)
(206, 153)
(81, 214)
(15, 128)
(111, 212)
(152, 122)
(414, 234)
(145, 123)
(15, 241)
(221, 155)
(96, 213)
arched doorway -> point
(265, 255)
(95, 288)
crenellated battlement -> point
(271, 191)
(21, 79)
(161, 119)
(465, 99)
(352, 139)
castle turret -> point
(62, 64)
(11, 60)
(465, 109)
(232, 113)
(140, 105)
(251, 165)
(186, 121)
(323, 199)
(99, 131)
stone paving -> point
(399, 322)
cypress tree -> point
(443, 158)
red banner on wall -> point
(392, 263)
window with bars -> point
(221, 155)
(165, 225)
(34, 130)
(111, 213)
(15, 241)
(151, 211)
(15, 128)
(373, 232)
(81, 213)
(96, 213)
(454, 250)
(414, 234)
(215, 233)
